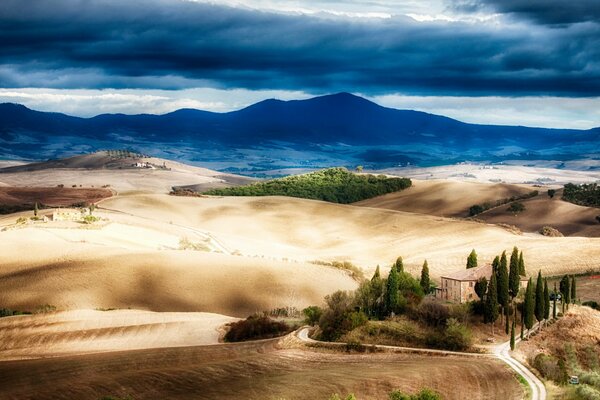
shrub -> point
(433, 313)
(457, 336)
(548, 367)
(339, 316)
(424, 394)
(585, 392)
(550, 231)
(312, 314)
(255, 327)
(516, 208)
(592, 304)
(90, 219)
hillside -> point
(117, 171)
(447, 198)
(314, 133)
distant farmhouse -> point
(460, 286)
(65, 214)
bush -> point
(90, 219)
(457, 336)
(336, 185)
(548, 367)
(592, 304)
(585, 392)
(433, 313)
(550, 232)
(424, 394)
(255, 327)
(312, 314)
(340, 317)
(587, 194)
(516, 208)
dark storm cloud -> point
(541, 11)
(176, 44)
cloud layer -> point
(170, 44)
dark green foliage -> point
(255, 327)
(546, 300)
(496, 264)
(6, 312)
(472, 260)
(399, 264)
(512, 336)
(433, 313)
(455, 337)
(502, 281)
(529, 306)
(312, 314)
(339, 316)
(551, 368)
(513, 274)
(551, 193)
(336, 185)
(587, 194)
(392, 294)
(554, 302)
(563, 375)
(377, 274)
(425, 282)
(479, 208)
(565, 290)
(540, 300)
(481, 287)
(573, 290)
(516, 207)
(35, 209)
(592, 304)
(521, 265)
(490, 313)
(424, 394)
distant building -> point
(66, 214)
(460, 286)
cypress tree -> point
(554, 302)
(522, 319)
(35, 209)
(472, 260)
(502, 282)
(521, 265)
(481, 287)
(513, 274)
(392, 295)
(512, 336)
(573, 290)
(399, 265)
(496, 263)
(546, 300)
(529, 306)
(565, 289)
(425, 282)
(491, 303)
(506, 320)
(377, 274)
(539, 298)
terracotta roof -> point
(473, 274)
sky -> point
(511, 62)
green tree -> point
(481, 287)
(573, 293)
(539, 298)
(502, 281)
(425, 282)
(359, 168)
(529, 306)
(554, 302)
(392, 294)
(35, 209)
(496, 264)
(377, 274)
(513, 274)
(376, 295)
(546, 300)
(399, 265)
(472, 260)
(312, 314)
(516, 208)
(565, 290)
(490, 312)
(551, 193)
(512, 336)
(521, 265)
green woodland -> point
(583, 195)
(336, 185)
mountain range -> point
(340, 129)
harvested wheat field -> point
(71, 274)
(258, 370)
(446, 198)
(51, 196)
(93, 331)
(305, 230)
(570, 219)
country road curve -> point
(502, 352)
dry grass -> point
(253, 371)
(306, 230)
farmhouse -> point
(460, 286)
(66, 214)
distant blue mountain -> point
(340, 126)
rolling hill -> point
(313, 132)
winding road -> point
(502, 352)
